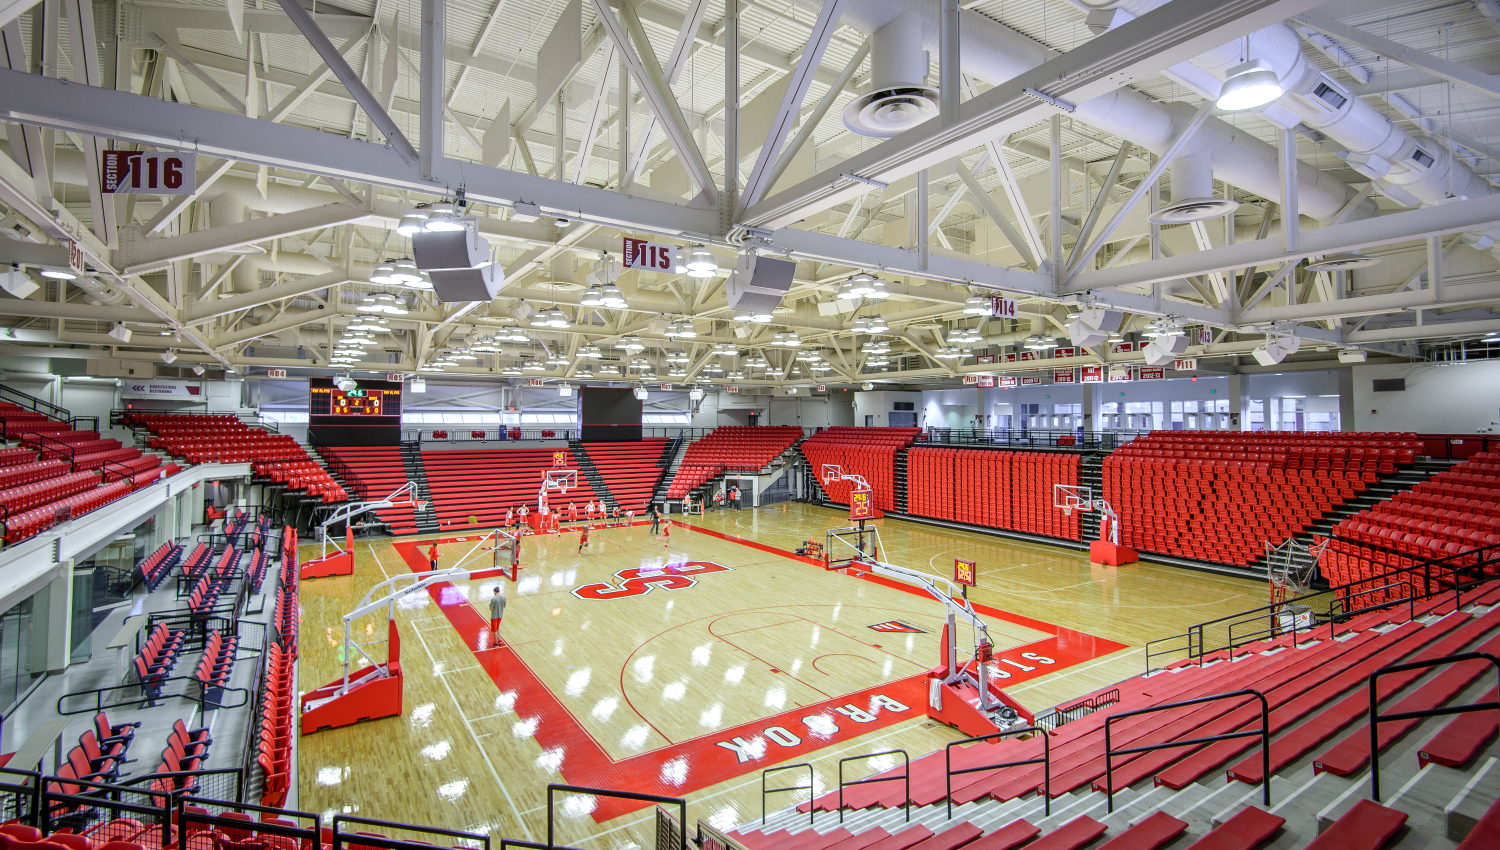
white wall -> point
(1458, 398)
(878, 404)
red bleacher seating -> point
(1453, 512)
(225, 439)
(630, 470)
(1221, 496)
(870, 452)
(995, 489)
(483, 483)
(377, 471)
(16, 421)
(730, 447)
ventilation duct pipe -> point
(899, 98)
(995, 53)
(1410, 171)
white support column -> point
(1435, 267)
(730, 202)
(622, 118)
(1286, 159)
(432, 84)
(923, 237)
(949, 74)
(1058, 186)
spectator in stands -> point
(734, 496)
(497, 613)
(432, 557)
(655, 518)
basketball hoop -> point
(419, 505)
(1069, 497)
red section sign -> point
(1004, 308)
(275, 373)
(965, 573)
(651, 256)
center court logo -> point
(638, 581)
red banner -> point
(1093, 374)
(1030, 380)
(1150, 373)
(1065, 376)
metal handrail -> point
(311, 835)
(1092, 704)
(1045, 761)
(1264, 732)
(1376, 717)
(905, 775)
(811, 781)
(364, 839)
(31, 402)
(679, 802)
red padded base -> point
(1245, 831)
(1149, 834)
(1105, 552)
(1367, 826)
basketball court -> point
(686, 668)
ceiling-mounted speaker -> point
(1084, 336)
(1157, 355)
(1176, 344)
(449, 249)
(1269, 354)
(758, 283)
(466, 284)
(1101, 319)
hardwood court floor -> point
(646, 667)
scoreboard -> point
(332, 401)
(368, 415)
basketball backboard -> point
(561, 480)
(1071, 498)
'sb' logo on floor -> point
(898, 626)
(639, 581)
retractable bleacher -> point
(211, 438)
(870, 452)
(630, 470)
(377, 471)
(1220, 497)
(483, 483)
(730, 448)
(995, 489)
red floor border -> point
(679, 769)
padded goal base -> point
(1105, 552)
(337, 564)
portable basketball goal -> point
(1107, 549)
(961, 692)
(340, 562)
(861, 494)
(1291, 567)
(556, 480)
(503, 548)
(371, 689)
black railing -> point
(31, 402)
(1376, 718)
(364, 840)
(811, 812)
(1424, 580)
(1033, 438)
(46, 444)
(552, 790)
(1264, 733)
(77, 805)
(905, 777)
(1045, 761)
(203, 822)
(1079, 710)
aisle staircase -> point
(1091, 475)
(900, 468)
(591, 474)
(671, 458)
(411, 459)
(819, 495)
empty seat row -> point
(481, 484)
(867, 452)
(29, 523)
(630, 470)
(156, 657)
(157, 565)
(217, 663)
(731, 447)
(996, 489)
(374, 472)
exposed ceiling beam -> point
(1448, 70)
(145, 255)
(1130, 52)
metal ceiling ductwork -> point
(994, 53)
(1409, 170)
(899, 98)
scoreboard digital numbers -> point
(369, 414)
(331, 401)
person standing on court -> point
(497, 612)
(655, 518)
(718, 500)
(734, 496)
(432, 557)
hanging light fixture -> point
(679, 262)
(977, 305)
(1249, 85)
(412, 221)
(613, 297)
(861, 285)
(592, 297)
(556, 319)
(701, 262)
(878, 325)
